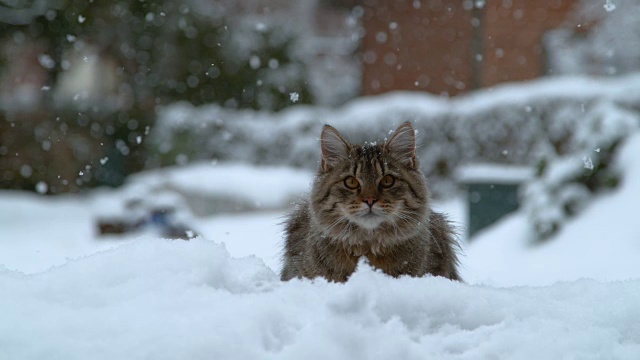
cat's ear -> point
(334, 147)
(403, 144)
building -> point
(449, 47)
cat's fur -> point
(393, 226)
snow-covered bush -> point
(558, 125)
(517, 124)
(565, 182)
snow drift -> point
(166, 299)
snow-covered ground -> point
(70, 294)
(153, 299)
(603, 243)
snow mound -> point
(166, 299)
(206, 188)
(272, 186)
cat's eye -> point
(351, 182)
(387, 181)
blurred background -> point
(201, 117)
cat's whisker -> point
(343, 221)
(409, 218)
(404, 234)
(334, 224)
(395, 227)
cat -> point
(368, 201)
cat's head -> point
(369, 188)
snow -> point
(46, 61)
(253, 234)
(546, 117)
(493, 173)
(39, 232)
(70, 221)
(68, 293)
(166, 299)
(42, 187)
(588, 163)
(602, 243)
(609, 5)
(228, 186)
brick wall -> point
(449, 47)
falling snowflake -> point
(81, 19)
(42, 187)
(609, 5)
(104, 160)
(294, 96)
(46, 61)
(255, 62)
(588, 163)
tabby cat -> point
(369, 201)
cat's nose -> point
(370, 201)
